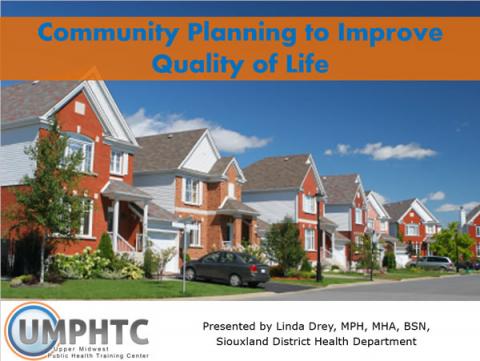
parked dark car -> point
(433, 262)
(234, 268)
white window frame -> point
(309, 235)
(231, 190)
(199, 192)
(81, 231)
(309, 204)
(194, 229)
(478, 249)
(358, 216)
(84, 144)
(416, 248)
(371, 223)
(116, 158)
(430, 229)
(410, 226)
(384, 226)
(477, 231)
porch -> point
(129, 205)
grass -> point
(400, 274)
(326, 281)
(119, 289)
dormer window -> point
(192, 191)
(76, 143)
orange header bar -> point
(221, 48)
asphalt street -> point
(453, 288)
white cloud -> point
(449, 207)
(378, 151)
(435, 196)
(227, 140)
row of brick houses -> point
(176, 187)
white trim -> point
(195, 211)
(318, 179)
(120, 171)
(410, 208)
(105, 187)
(239, 170)
(375, 203)
(308, 221)
(471, 219)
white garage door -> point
(162, 240)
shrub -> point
(300, 274)
(23, 280)
(254, 251)
(389, 261)
(27, 254)
(164, 256)
(306, 265)
(80, 265)
(111, 275)
(131, 271)
(105, 247)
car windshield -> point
(248, 258)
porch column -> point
(116, 215)
(237, 232)
(144, 225)
(333, 242)
(324, 244)
(252, 231)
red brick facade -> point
(472, 232)
(87, 125)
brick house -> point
(287, 186)
(88, 116)
(416, 224)
(185, 173)
(347, 207)
(378, 224)
(471, 225)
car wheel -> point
(253, 284)
(235, 280)
(190, 274)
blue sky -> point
(406, 139)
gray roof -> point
(340, 237)
(116, 187)
(157, 213)
(398, 209)
(472, 213)
(220, 166)
(340, 189)
(29, 100)
(234, 206)
(276, 173)
(327, 224)
(167, 151)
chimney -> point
(463, 217)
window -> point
(416, 249)
(80, 108)
(358, 216)
(116, 162)
(412, 230)
(478, 231)
(231, 190)
(85, 147)
(86, 221)
(370, 224)
(211, 258)
(309, 239)
(192, 191)
(430, 229)
(478, 249)
(384, 226)
(309, 205)
(193, 235)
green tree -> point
(282, 245)
(368, 253)
(449, 239)
(51, 202)
(105, 247)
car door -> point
(206, 266)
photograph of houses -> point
(183, 188)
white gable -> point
(422, 211)
(377, 206)
(203, 156)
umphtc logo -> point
(33, 329)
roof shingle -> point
(32, 99)
(398, 209)
(277, 173)
(341, 189)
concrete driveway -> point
(451, 288)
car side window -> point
(228, 258)
(212, 258)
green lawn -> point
(120, 289)
(400, 274)
(326, 281)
